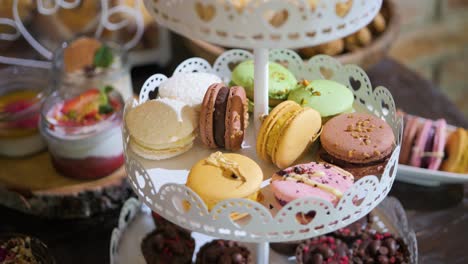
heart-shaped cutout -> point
(153, 94)
(355, 84)
(205, 12)
(241, 219)
(232, 65)
(326, 73)
(305, 218)
(342, 9)
(276, 18)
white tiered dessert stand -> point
(160, 184)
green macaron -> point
(281, 81)
(329, 98)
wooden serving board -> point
(32, 185)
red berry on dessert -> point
(83, 133)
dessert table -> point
(438, 215)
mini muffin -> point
(161, 129)
(287, 132)
(324, 249)
(225, 176)
(456, 152)
(329, 98)
(280, 81)
(223, 117)
(359, 143)
(223, 251)
(380, 248)
(313, 179)
(166, 245)
(189, 88)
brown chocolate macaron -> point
(359, 143)
(223, 117)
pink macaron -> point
(412, 125)
(425, 134)
(440, 138)
(315, 179)
(428, 148)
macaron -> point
(223, 117)
(225, 176)
(456, 152)
(427, 147)
(360, 143)
(329, 98)
(287, 132)
(161, 129)
(314, 179)
(280, 81)
(409, 133)
(189, 88)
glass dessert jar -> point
(22, 91)
(88, 62)
(83, 132)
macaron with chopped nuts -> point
(329, 98)
(358, 142)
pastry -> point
(223, 117)
(161, 128)
(331, 48)
(427, 149)
(83, 132)
(223, 251)
(320, 180)
(329, 98)
(280, 81)
(87, 62)
(324, 249)
(456, 152)
(225, 176)
(167, 245)
(287, 132)
(379, 248)
(19, 121)
(189, 88)
(359, 143)
(161, 222)
(21, 249)
(409, 134)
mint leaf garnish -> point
(108, 89)
(103, 57)
(105, 109)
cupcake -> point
(83, 132)
(324, 249)
(223, 251)
(167, 245)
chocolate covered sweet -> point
(162, 222)
(380, 248)
(324, 249)
(223, 252)
(354, 231)
(168, 246)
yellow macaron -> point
(456, 150)
(287, 133)
(225, 176)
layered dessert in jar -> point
(88, 62)
(21, 95)
(83, 132)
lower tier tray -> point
(136, 222)
(31, 185)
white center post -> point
(260, 85)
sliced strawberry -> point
(76, 104)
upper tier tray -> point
(159, 184)
(264, 23)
